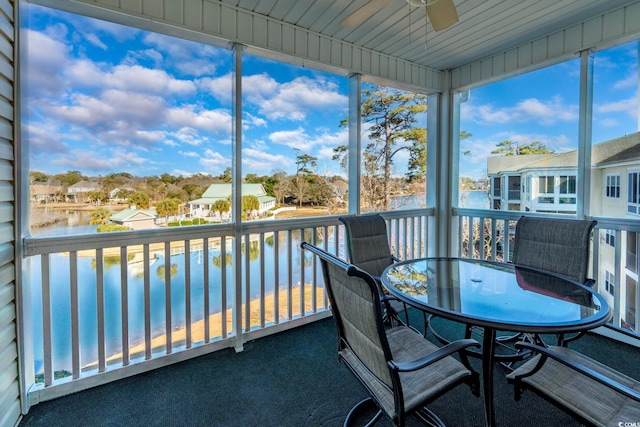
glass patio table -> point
(496, 297)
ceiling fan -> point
(441, 13)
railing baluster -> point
(147, 301)
(100, 309)
(262, 282)
(187, 293)
(290, 278)
(247, 285)
(276, 278)
(75, 333)
(124, 304)
(46, 319)
(205, 290)
(167, 298)
(301, 283)
(223, 284)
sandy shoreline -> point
(179, 335)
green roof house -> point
(202, 207)
(136, 219)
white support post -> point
(354, 167)
(236, 207)
(584, 135)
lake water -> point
(87, 291)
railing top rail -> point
(55, 244)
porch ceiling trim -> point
(594, 34)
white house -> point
(202, 207)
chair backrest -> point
(355, 303)
(560, 246)
(367, 242)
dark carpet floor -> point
(289, 379)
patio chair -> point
(593, 392)
(559, 246)
(368, 248)
(401, 370)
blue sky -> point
(101, 98)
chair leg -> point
(360, 407)
(429, 418)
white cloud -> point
(297, 139)
(213, 161)
(95, 41)
(190, 136)
(189, 153)
(627, 106)
(546, 112)
(292, 100)
(216, 121)
(115, 160)
(46, 56)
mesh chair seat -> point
(407, 346)
(583, 396)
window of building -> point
(612, 186)
(632, 252)
(496, 186)
(546, 184)
(610, 237)
(568, 184)
(633, 192)
(609, 282)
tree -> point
(392, 115)
(139, 199)
(250, 204)
(226, 175)
(100, 216)
(305, 170)
(193, 190)
(511, 148)
(97, 197)
(221, 206)
(69, 178)
(168, 207)
(38, 177)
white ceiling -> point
(485, 27)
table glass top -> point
(494, 293)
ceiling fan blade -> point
(442, 14)
(365, 12)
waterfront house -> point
(135, 219)
(45, 193)
(393, 44)
(202, 207)
(79, 191)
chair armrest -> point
(552, 353)
(439, 354)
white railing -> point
(105, 306)
(491, 235)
